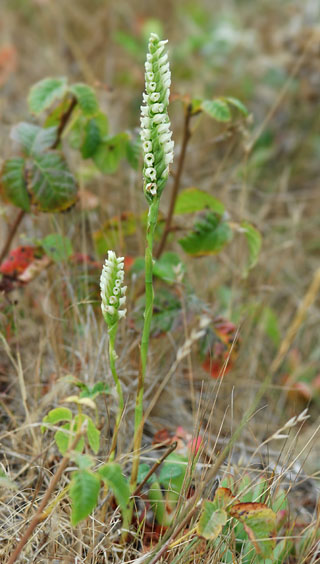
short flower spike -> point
(155, 123)
(112, 289)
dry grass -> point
(273, 65)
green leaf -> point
(51, 183)
(86, 98)
(164, 268)
(92, 139)
(211, 521)
(93, 435)
(133, 152)
(56, 415)
(196, 104)
(192, 200)
(237, 104)
(84, 492)
(33, 139)
(208, 236)
(259, 522)
(142, 472)
(254, 241)
(111, 473)
(158, 505)
(45, 92)
(110, 152)
(57, 247)
(217, 109)
(96, 390)
(173, 471)
(13, 185)
(270, 324)
(83, 461)
(64, 438)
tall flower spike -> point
(155, 123)
(112, 289)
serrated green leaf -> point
(33, 139)
(86, 98)
(208, 236)
(111, 473)
(110, 152)
(83, 461)
(57, 247)
(237, 104)
(254, 241)
(64, 438)
(192, 200)
(84, 492)
(173, 471)
(217, 109)
(211, 521)
(164, 268)
(51, 183)
(133, 152)
(44, 93)
(92, 139)
(259, 522)
(13, 184)
(58, 414)
(93, 435)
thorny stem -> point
(38, 515)
(112, 358)
(12, 231)
(185, 139)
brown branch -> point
(11, 234)
(12, 231)
(154, 468)
(185, 139)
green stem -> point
(112, 361)
(138, 419)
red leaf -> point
(18, 260)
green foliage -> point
(193, 200)
(84, 491)
(57, 247)
(259, 522)
(86, 98)
(217, 109)
(110, 152)
(209, 236)
(45, 92)
(32, 139)
(93, 435)
(13, 185)
(52, 185)
(56, 416)
(111, 474)
(254, 241)
(211, 521)
(165, 267)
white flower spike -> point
(155, 123)
(112, 290)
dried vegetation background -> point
(267, 54)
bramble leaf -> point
(254, 241)
(92, 139)
(86, 98)
(211, 521)
(56, 415)
(217, 109)
(110, 152)
(33, 139)
(209, 236)
(84, 491)
(259, 522)
(51, 183)
(13, 184)
(93, 435)
(192, 200)
(237, 104)
(111, 473)
(57, 247)
(44, 93)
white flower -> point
(112, 291)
